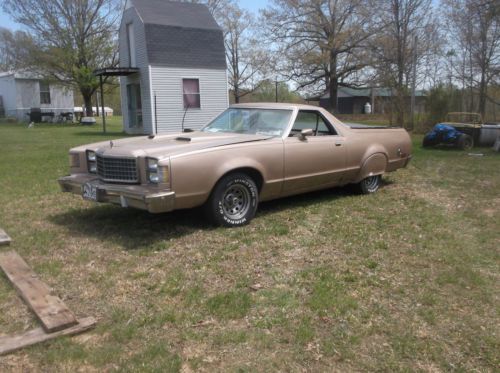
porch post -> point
(103, 112)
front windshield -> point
(270, 122)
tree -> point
(322, 41)
(247, 61)
(475, 34)
(13, 49)
(409, 36)
(70, 39)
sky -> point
(252, 5)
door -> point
(134, 105)
(317, 161)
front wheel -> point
(369, 184)
(233, 201)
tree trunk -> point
(87, 99)
(236, 93)
(333, 89)
(482, 96)
(334, 83)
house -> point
(180, 80)
(22, 91)
(353, 100)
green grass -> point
(403, 280)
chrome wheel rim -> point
(236, 201)
(371, 183)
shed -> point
(178, 51)
(353, 100)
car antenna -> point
(184, 116)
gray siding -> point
(8, 93)
(20, 95)
(167, 85)
(130, 16)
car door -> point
(316, 161)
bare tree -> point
(70, 38)
(474, 27)
(410, 36)
(247, 60)
(322, 41)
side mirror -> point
(305, 133)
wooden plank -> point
(4, 238)
(12, 343)
(49, 309)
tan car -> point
(249, 153)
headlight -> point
(157, 174)
(91, 162)
(152, 170)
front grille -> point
(113, 169)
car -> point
(447, 135)
(463, 130)
(248, 154)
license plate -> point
(90, 192)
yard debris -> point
(4, 238)
(256, 287)
(203, 323)
(476, 154)
(55, 317)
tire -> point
(233, 201)
(465, 142)
(369, 184)
(428, 142)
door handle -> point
(338, 144)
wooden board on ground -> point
(49, 309)
(12, 343)
(4, 238)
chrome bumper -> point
(148, 198)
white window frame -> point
(40, 83)
(199, 91)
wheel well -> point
(252, 172)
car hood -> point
(162, 146)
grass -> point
(403, 280)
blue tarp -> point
(444, 132)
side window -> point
(44, 93)
(323, 129)
(191, 93)
(311, 120)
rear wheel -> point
(233, 201)
(369, 185)
(465, 142)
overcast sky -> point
(253, 5)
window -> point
(191, 93)
(131, 45)
(269, 122)
(134, 105)
(311, 120)
(44, 93)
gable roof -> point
(174, 13)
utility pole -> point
(276, 87)
(413, 83)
